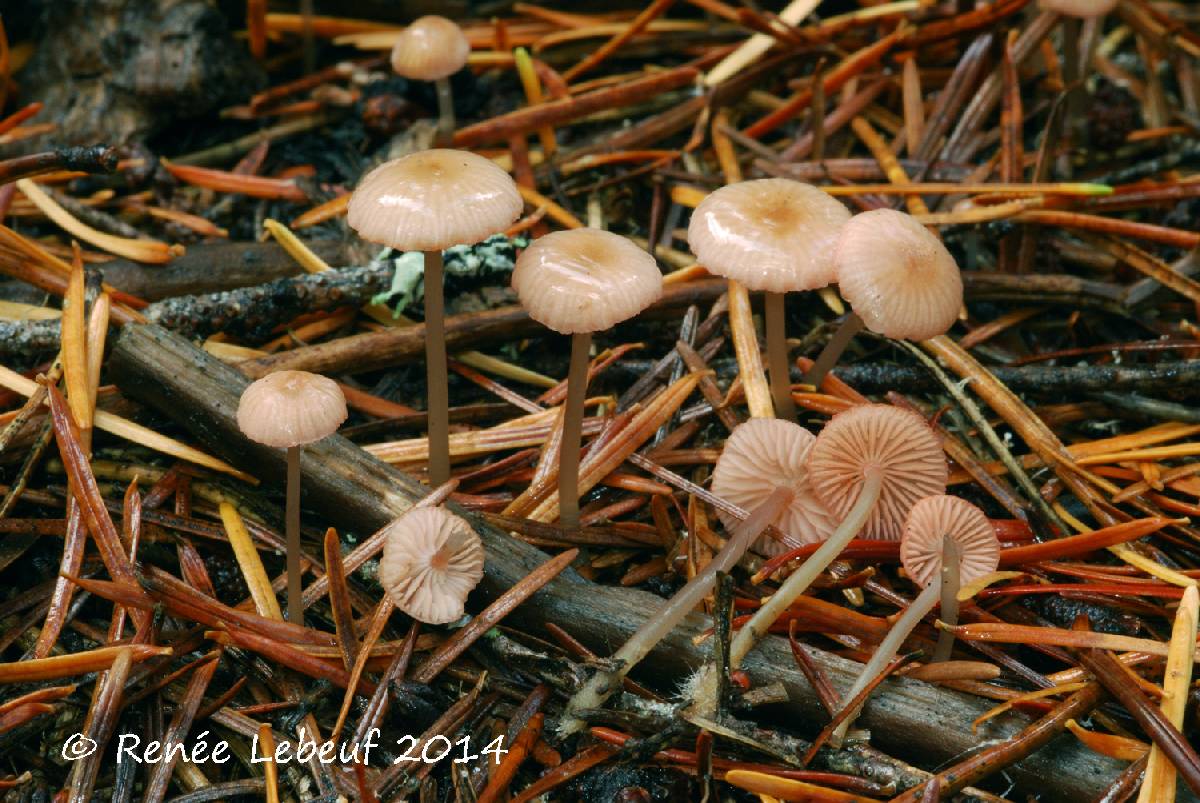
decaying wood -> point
(214, 267)
(394, 346)
(910, 718)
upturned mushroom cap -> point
(759, 456)
(936, 516)
(897, 443)
(1083, 9)
(432, 47)
(431, 561)
(899, 278)
(431, 200)
(772, 234)
(291, 408)
(585, 280)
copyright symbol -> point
(78, 746)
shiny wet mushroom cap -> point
(771, 234)
(585, 280)
(759, 456)
(432, 47)
(431, 200)
(291, 408)
(431, 561)
(936, 516)
(877, 437)
(898, 276)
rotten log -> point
(909, 718)
(393, 346)
(214, 267)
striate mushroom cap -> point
(431, 561)
(291, 408)
(898, 276)
(936, 516)
(431, 200)
(1083, 9)
(879, 437)
(432, 47)
(759, 456)
(585, 280)
(771, 234)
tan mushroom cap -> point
(432, 47)
(1082, 9)
(291, 408)
(431, 561)
(898, 276)
(877, 436)
(759, 456)
(585, 280)
(431, 200)
(771, 234)
(929, 521)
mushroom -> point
(428, 201)
(288, 410)
(431, 561)
(869, 466)
(578, 282)
(775, 235)
(935, 526)
(779, 498)
(759, 456)
(433, 48)
(898, 277)
(1081, 9)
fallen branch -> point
(908, 717)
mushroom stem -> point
(662, 621)
(446, 121)
(777, 357)
(437, 394)
(951, 579)
(849, 327)
(886, 651)
(568, 456)
(803, 577)
(295, 605)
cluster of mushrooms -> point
(874, 470)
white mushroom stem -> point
(446, 121)
(568, 456)
(802, 578)
(777, 357)
(951, 580)
(847, 329)
(886, 651)
(295, 603)
(662, 621)
(437, 394)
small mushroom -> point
(288, 410)
(898, 277)
(431, 561)
(936, 525)
(577, 282)
(759, 456)
(433, 48)
(775, 235)
(775, 501)
(869, 466)
(1081, 9)
(428, 201)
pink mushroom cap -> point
(878, 437)
(934, 517)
